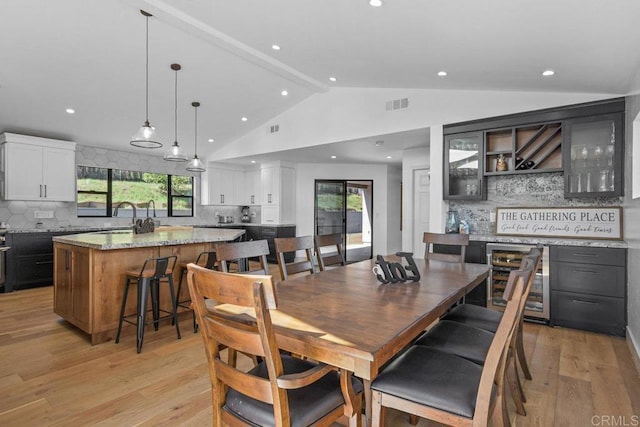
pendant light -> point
(174, 154)
(195, 165)
(146, 136)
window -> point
(102, 192)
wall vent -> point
(397, 104)
(274, 128)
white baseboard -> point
(634, 348)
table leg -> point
(367, 402)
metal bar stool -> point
(206, 259)
(148, 279)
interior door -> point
(346, 207)
(420, 209)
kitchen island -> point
(89, 271)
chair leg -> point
(143, 294)
(377, 410)
(174, 304)
(155, 302)
(182, 271)
(520, 352)
(122, 309)
(516, 387)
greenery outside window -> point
(101, 190)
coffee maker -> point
(245, 214)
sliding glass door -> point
(346, 207)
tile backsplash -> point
(526, 190)
(21, 214)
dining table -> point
(347, 318)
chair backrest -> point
(329, 258)
(493, 371)
(292, 244)
(208, 259)
(158, 268)
(232, 251)
(460, 240)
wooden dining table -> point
(345, 317)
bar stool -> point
(206, 259)
(153, 271)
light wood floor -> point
(51, 376)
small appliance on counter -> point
(245, 214)
(225, 219)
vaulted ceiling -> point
(90, 56)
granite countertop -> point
(547, 241)
(241, 224)
(122, 239)
(90, 228)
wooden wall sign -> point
(567, 222)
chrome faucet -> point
(154, 208)
(115, 211)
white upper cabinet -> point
(278, 194)
(37, 169)
(252, 188)
(222, 186)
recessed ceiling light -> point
(244, 119)
(375, 3)
(275, 47)
(333, 79)
(284, 93)
(333, 157)
(210, 140)
(547, 73)
(442, 73)
(389, 157)
(253, 161)
(70, 111)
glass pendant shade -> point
(173, 154)
(146, 136)
(195, 165)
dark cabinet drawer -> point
(603, 256)
(33, 269)
(588, 312)
(590, 279)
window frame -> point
(109, 194)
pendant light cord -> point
(175, 123)
(196, 134)
(147, 74)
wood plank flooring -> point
(51, 376)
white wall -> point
(307, 173)
(394, 200)
(632, 228)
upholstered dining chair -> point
(487, 319)
(449, 389)
(280, 390)
(459, 240)
(293, 244)
(240, 251)
(473, 343)
(332, 245)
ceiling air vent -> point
(274, 128)
(397, 104)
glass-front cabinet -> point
(463, 176)
(593, 156)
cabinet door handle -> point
(584, 302)
(580, 270)
(253, 199)
(40, 190)
(582, 254)
(269, 198)
(43, 262)
(45, 191)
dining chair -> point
(292, 244)
(473, 343)
(334, 255)
(452, 240)
(487, 319)
(241, 251)
(280, 390)
(450, 389)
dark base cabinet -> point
(268, 233)
(588, 288)
(477, 254)
(30, 260)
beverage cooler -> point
(503, 258)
